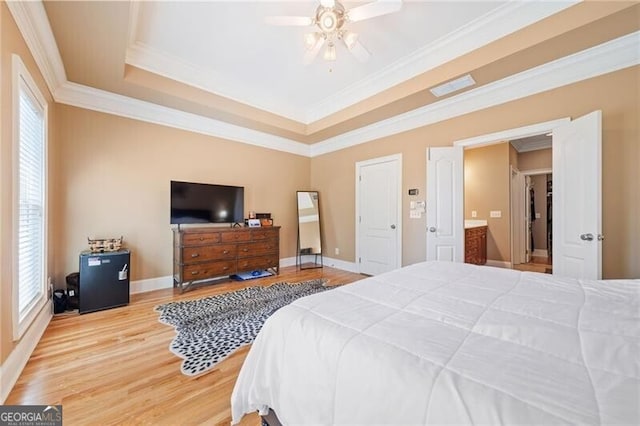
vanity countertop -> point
(474, 223)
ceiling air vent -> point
(453, 85)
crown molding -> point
(608, 57)
(100, 100)
(32, 20)
(605, 58)
(143, 56)
(497, 23)
(493, 25)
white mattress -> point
(450, 343)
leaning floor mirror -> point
(309, 241)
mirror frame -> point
(299, 255)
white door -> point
(378, 213)
(445, 180)
(577, 224)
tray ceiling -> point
(219, 60)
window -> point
(30, 198)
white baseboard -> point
(341, 264)
(12, 368)
(499, 264)
(287, 261)
(540, 253)
(151, 284)
(159, 283)
(326, 261)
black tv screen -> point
(206, 203)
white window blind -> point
(31, 203)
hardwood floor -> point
(537, 264)
(115, 367)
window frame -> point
(22, 80)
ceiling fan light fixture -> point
(328, 20)
(350, 39)
(310, 40)
(330, 52)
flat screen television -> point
(206, 203)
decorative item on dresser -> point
(205, 253)
(475, 245)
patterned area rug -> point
(210, 329)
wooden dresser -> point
(475, 245)
(207, 253)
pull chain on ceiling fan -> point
(330, 19)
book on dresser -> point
(207, 253)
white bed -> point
(443, 343)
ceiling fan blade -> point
(327, 3)
(300, 21)
(371, 10)
(311, 54)
(359, 51)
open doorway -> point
(531, 203)
(507, 201)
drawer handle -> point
(195, 255)
(225, 252)
(245, 250)
(195, 272)
(201, 238)
(245, 264)
(225, 268)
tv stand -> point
(203, 254)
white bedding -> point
(437, 343)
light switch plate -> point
(537, 215)
(474, 213)
(495, 213)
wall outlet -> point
(337, 251)
(474, 213)
(415, 214)
(495, 213)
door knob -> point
(393, 227)
(432, 229)
(586, 237)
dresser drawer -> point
(200, 238)
(264, 233)
(204, 253)
(208, 270)
(253, 263)
(232, 237)
(257, 249)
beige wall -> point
(534, 160)
(11, 42)
(616, 94)
(486, 188)
(115, 176)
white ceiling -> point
(226, 48)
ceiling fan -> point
(330, 20)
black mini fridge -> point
(103, 281)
